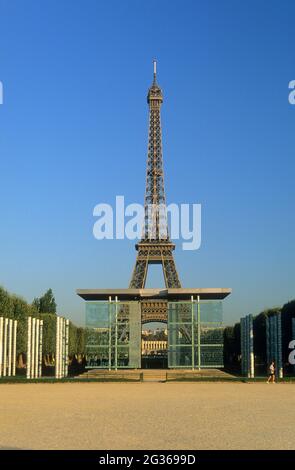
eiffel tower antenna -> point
(155, 246)
(155, 71)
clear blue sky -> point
(74, 133)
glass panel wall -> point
(195, 334)
(113, 338)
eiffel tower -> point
(155, 247)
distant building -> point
(153, 346)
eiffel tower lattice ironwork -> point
(155, 246)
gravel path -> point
(147, 416)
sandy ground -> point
(147, 416)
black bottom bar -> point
(134, 459)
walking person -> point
(272, 370)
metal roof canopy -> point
(218, 293)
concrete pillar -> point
(33, 350)
(9, 362)
(280, 348)
(64, 347)
(37, 327)
(62, 352)
(1, 344)
(110, 332)
(135, 334)
(247, 346)
(251, 347)
(5, 347)
(67, 348)
(29, 348)
(193, 334)
(247, 329)
(57, 349)
(40, 348)
(293, 336)
(268, 353)
(173, 330)
(14, 347)
(199, 331)
(243, 348)
(60, 348)
(274, 343)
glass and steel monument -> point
(114, 317)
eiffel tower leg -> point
(139, 274)
(170, 274)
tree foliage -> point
(232, 346)
(14, 307)
(49, 333)
(46, 303)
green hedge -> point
(14, 307)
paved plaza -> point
(147, 416)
